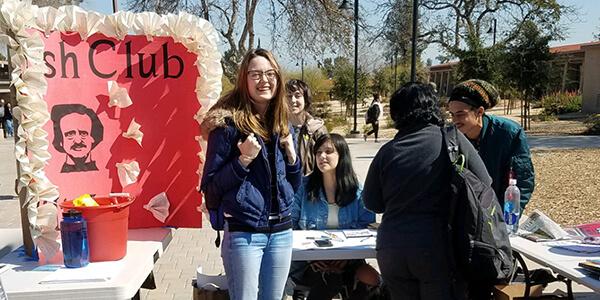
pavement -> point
(191, 248)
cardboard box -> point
(516, 291)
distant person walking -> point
(305, 128)
(7, 121)
(373, 116)
(2, 102)
(502, 143)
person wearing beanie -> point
(502, 143)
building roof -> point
(572, 48)
(564, 49)
(445, 66)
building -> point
(441, 75)
(578, 70)
(4, 80)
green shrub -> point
(593, 123)
(334, 121)
(561, 102)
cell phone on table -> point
(323, 243)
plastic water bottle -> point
(73, 231)
(512, 206)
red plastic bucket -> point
(107, 226)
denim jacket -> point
(245, 193)
(312, 215)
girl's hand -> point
(287, 143)
(249, 150)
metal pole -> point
(354, 131)
(413, 63)
(302, 67)
(115, 5)
(494, 39)
(395, 59)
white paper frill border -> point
(17, 18)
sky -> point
(581, 28)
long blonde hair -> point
(239, 101)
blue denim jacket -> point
(312, 215)
(245, 193)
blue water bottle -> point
(73, 231)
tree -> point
(396, 30)
(307, 27)
(343, 86)
(479, 62)
(383, 81)
(455, 22)
(55, 3)
(528, 64)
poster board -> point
(73, 72)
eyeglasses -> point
(258, 75)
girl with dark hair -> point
(330, 198)
(305, 127)
(408, 181)
(251, 171)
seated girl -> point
(330, 198)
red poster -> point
(85, 133)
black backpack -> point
(373, 113)
(479, 241)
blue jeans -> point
(256, 264)
(8, 127)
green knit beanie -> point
(476, 92)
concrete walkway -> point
(191, 248)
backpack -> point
(478, 237)
(373, 113)
(215, 214)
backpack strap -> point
(451, 142)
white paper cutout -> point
(128, 172)
(48, 18)
(134, 132)
(159, 206)
(117, 95)
(47, 241)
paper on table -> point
(94, 272)
(357, 233)
(574, 246)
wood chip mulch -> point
(567, 185)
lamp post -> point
(492, 30)
(415, 22)
(301, 68)
(344, 5)
(115, 6)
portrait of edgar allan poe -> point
(77, 131)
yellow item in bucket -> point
(85, 200)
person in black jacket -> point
(408, 182)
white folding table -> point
(124, 277)
(563, 262)
(304, 248)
